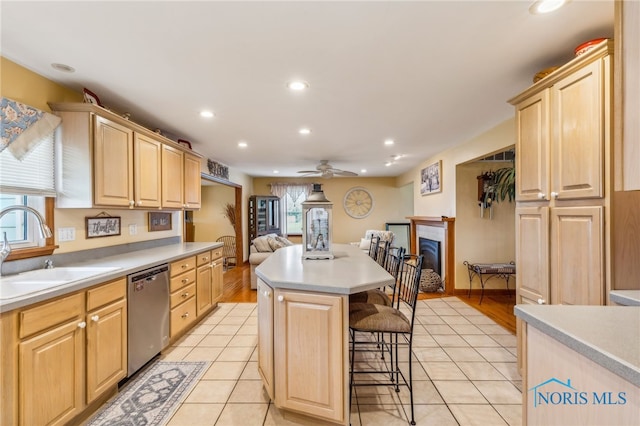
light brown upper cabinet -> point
(564, 155)
(129, 165)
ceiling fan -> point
(327, 171)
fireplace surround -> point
(445, 227)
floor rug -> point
(152, 397)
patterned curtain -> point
(24, 127)
(294, 190)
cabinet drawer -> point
(216, 254)
(183, 294)
(183, 316)
(182, 265)
(204, 258)
(106, 293)
(50, 314)
(183, 279)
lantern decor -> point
(316, 225)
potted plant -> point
(502, 186)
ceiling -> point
(429, 75)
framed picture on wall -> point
(431, 178)
(102, 226)
(159, 221)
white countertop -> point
(625, 297)
(127, 263)
(607, 335)
(351, 271)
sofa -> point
(260, 249)
(386, 237)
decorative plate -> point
(358, 202)
(587, 46)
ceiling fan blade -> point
(344, 173)
(308, 171)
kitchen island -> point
(303, 324)
(581, 364)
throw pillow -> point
(365, 244)
(284, 241)
(262, 244)
(274, 244)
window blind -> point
(33, 175)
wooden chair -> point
(228, 250)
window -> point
(291, 195)
(293, 212)
(21, 227)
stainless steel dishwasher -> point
(148, 315)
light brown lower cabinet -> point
(59, 356)
(305, 348)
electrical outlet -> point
(133, 229)
(66, 234)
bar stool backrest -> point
(373, 247)
(409, 282)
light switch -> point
(133, 229)
(66, 234)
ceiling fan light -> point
(389, 142)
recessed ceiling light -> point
(298, 85)
(388, 163)
(363, 170)
(242, 144)
(397, 157)
(63, 68)
(389, 142)
(304, 131)
(206, 114)
(546, 6)
(275, 172)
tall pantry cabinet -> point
(564, 183)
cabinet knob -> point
(185, 315)
(268, 294)
(185, 266)
(281, 298)
(132, 203)
(205, 258)
(184, 295)
(541, 302)
(185, 280)
(554, 195)
(95, 318)
(139, 203)
(542, 196)
(82, 324)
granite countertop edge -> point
(625, 297)
(129, 263)
(597, 354)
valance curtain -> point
(294, 190)
(26, 149)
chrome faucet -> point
(45, 232)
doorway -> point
(220, 214)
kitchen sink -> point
(43, 279)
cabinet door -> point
(309, 353)
(51, 376)
(147, 154)
(578, 123)
(203, 289)
(265, 335)
(172, 177)
(532, 254)
(106, 348)
(577, 253)
(217, 281)
(113, 164)
(532, 147)
(192, 196)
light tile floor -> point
(465, 373)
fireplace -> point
(440, 229)
(430, 249)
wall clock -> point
(358, 202)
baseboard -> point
(487, 292)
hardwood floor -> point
(498, 307)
